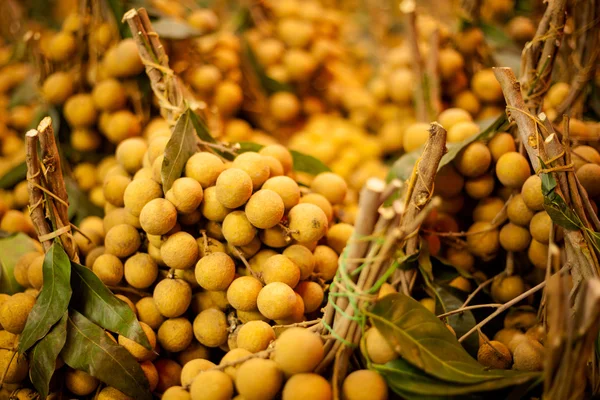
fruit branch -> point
(34, 180)
(408, 9)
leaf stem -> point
(463, 309)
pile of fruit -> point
(220, 167)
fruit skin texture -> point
(192, 368)
(122, 240)
(338, 235)
(205, 168)
(110, 393)
(379, 350)
(286, 188)
(265, 209)
(518, 212)
(298, 350)
(532, 193)
(514, 237)
(238, 231)
(494, 355)
(212, 385)
(538, 254)
(589, 176)
(307, 222)
(529, 356)
(512, 170)
(58, 87)
(176, 393)
(158, 216)
(138, 193)
(186, 195)
(507, 288)
(312, 295)
(500, 144)
(255, 336)
(210, 327)
(276, 301)
(540, 226)
(14, 312)
(330, 185)
(234, 187)
(109, 269)
(307, 386)
(180, 251)
(483, 244)
(258, 379)
(279, 268)
(80, 383)
(140, 271)
(474, 160)
(364, 385)
(175, 334)
(215, 271)
(169, 374)
(172, 297)
(243, 292)
(255, 166)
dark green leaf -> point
(404, 378)
(53, 299)
(117, 8)
(242, 20)
(99, 304)
(25, 93)
(42, 360)
(88, 348)
(548, 183)
(249, 146)
(302, 162)
(403, 166)
(563, 216)
(181, 146)
(204, 134)
(461, 323)
(171, 28)
(12, 248)
(80, 205)
(268, 84)
(15, 175)
(425, 342)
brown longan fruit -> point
(258, 379)
(589, 176)
(286, 188)
(228, 97)
(215, 271)
(109, 269)
(123, 60)
(180, 251)
(169, 374)
(137, 350)
(264, 209)
(233, 187)
(79, 110)
(415, 136)
(461, 131)
(518, 212)
(484, 244)
(109, 95)
(243, 293)
(529, 356)
(212, 384)
(130, 153)
(148, 313)
(485, 86)
(494, 355)
(122, 240)
(61, 47)
(448, 182)
(58, 87)
(378, 349)
(255, 336)
(540, 227)
(158, 216)
(522, 319)
(504, 289)
(15, 365)
(538, 254)
(298, 350)
(140, 271)
(211, 207)
(307, 222)
(474, 160)
(205, 168)
(307, 386)
(255, 166)
(514, 237)
(284, 106)
(279, 268)
(364, 384)
(326, 262)
(460, 258)
(210, 327)
(151, 374)
(512, 170)
(175, 334)
(302, 257)
(186, 195)
(338, 235)
(80, 383)
(582, 155)
(532, 193)
(452, 116)
(237, 229)
(276, 301)
(138, 193)
(14, 312)
(280, 153)
(110, 393)
(172, 297)
(122, 124)
(501, 144)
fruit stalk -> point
(36, 197)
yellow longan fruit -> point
(582, 155)
(540, 227)
(158, 216)
(428, 303)
(110, 393)
(307, 222)
(175, 334)
(279, 268)
(213, 384)
(280, 153)
(518, 212)
(364, 385)
(180, 251)
(532, 193)
(85, 174)
(211, 207)
(400, 86)
(233, 187)
(169, 374)
(501, 144)
(35, 274)
(140, 192)
(452, 116)
(138, 351)
(228, 97)
(514, 237)
(122, 240)
(302, 257)
(148, 313)
(505, 335)
(22, 266)
(80, 383)
(460, 259)
(109, 269)
(485, 86)
(130, 153)
(529, 356)
(237, 229)
(17, 221)
(461, 131)
(193, 368)
(378, 349)
(589, 176)
(186, 195)
(487, 209)
(255, 336)
(320, 201)
(172, 297)
(123, 60)
(109, 95)
(480, 187)
(461, 283)
(307, 386)
(62, 46)
(215, 271)
(275, 237)
(494, 355)
(299, 64)
(284, 106)
(415, 136)
(58, 87)
(210, 246)
(210, 327)
(233, 355)
(338, 235)
(450, 62)
(557, 94)
(151, 374)
(114, 189)
(140, 271)
(176, 393)
(258, 260)
(485, 243)
(243, 293)
(123, 124)
(538, 254)
(258, 379)
(14, 312)
(330, 185)
(326, 262)
(264, 209)
(474, 160)
(15, 365)
(520, 319)
(467, 101)
(505, 289)
(204, 78)
(512, 170)
(287, 189)
(205, 168)
(276, 301)
(298, 350)
(79, 110)
(255, 166)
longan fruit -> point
(172, 297)
(228, 97)
(452, 116)
(501, 144)
(540, 227)
(122, 240)
(158, 216)
(557, 93)
(204, 78)
(180, 251)
(139, 352)
(532, 193)
(512, 170)
(364, 384)
(215, 271)
(474, 160)
(255, 336)
(378, 349)
(254, 165)
(522, 319)
(140, 192)
(529, 356)
(205, 168)
(450, 62)
(276, 301)
(514, 237)
(485, 86)
(320, 201)
(264, 209)
(280, 153)
(15, 365)
(14, 312)
(299, 65)
(428, 303)
(326, 262)
(505, 289)
(258, 260)
(582, 155)
(123, 59)
(279, 268)
(589, 176)
(109, 269)
(189, 219)
(494, 355)
(210, 327)
(210, 246)
(130, 153)
(35, 272)
(237, 229)
(79, 110)
(231, 356)
(298, 350)
(287, 189)
(211, 207)
(480, 187)
(330, 185)
(307, 222)
(461, 131)
(151, 374)
(467, 101)
(109, 95)
(80, 383)
(176, 393)
(186, 195)
(85, 139)
(400, 85)
(58, 87)
(17, 221)
(243, 293)
(302, 257)
(505, 335)
(140, 271)
(175, 334)
(461, 283)
(114, 189)
(258, 379)
(233, 187)
(415, 136)
(518, 212)
(193, 368)
(213, 384)
(538, 254)
(122, 124)
(148, 313)
(307, 386)
(448, 182)
(284, 106)
(22, 266)
(483, 244)
(338, 235)
(488, 209)
(110, 393)
(61, 46)
(169, 374)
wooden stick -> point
(408, 9)
(36, 197)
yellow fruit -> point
(130, 154)
(175, 334)
(299, 64)
(233, 187)
(62, 46)
(114, 189)
(501, 144)
(540, 227)
(228, 97)
(243, 293)
(512, 170)
(14, 312)
(302, 257)
(532, 193)
(258, 379)
(231, 356)
(193, 368)
(176, 393)
(169, 374)
(205, 168)
(485, 86)
(298, 350)
(255, 166)
(468, 102)
(122, 124)
(307, 386)
(538, 254)
(488, 209)
(58, 87)
(138, 351)
(15, 365)
(123, 60)
(110, 393)
(518, 212)
(494, 355)
(482, 239)
(80, 383)
(255, 336)
(284, 106)
(514, 237)
(215, 271)
(35, 274)
(148, 313)
(589, 176)
(378, 349)
(22, 266)
(307, 222)
(448, 182)
(172, 297)
(158, 216)
(428, 303)
(400, 86)
(330, 185)
(204, 78)
(319, 201)
(529, 356)
(480, 187)
(474, 160)
(237, 230)
(109, 95)
(140, 192)
(452, 116)
(522, 319)
(109, 269)
(185, 194)
(211, 207)
(507, 288)
(122, 240)
(79, 110)
(212, 385)
(210, 327)
(276, 301)
(415, 136)
(279, 268)
(505, 335)
(280, 153)
(326, 262)
(582, 155)
(461, 131)
(364, 385)
(264, 209)
(180, 251)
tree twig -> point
(36, 196)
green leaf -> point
(302, 162)
(425, 342)
(563, 216)
(117, 8)
(42, 360)
(204, 134)
(15, 175)
(448, 300)
(180, 147)
(88, 348)
(172, 28)
(99, 304)
(406, 380)
(53, 299)
(548, 183)
(12, 248)
(268, 84)
(241, 21)
(25, 93)
(80, 205)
